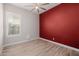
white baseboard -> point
(75, 49)
(19, 42)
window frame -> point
(7, 30)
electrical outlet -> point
(53, 38)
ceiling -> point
(29, 6)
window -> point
(13, 23)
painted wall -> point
(1, 27)
(62, 23)
(29, 25)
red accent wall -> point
(62, 23)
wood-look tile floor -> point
(36, 48)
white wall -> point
(29, 25)
(1, 27)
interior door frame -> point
(1, 27)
